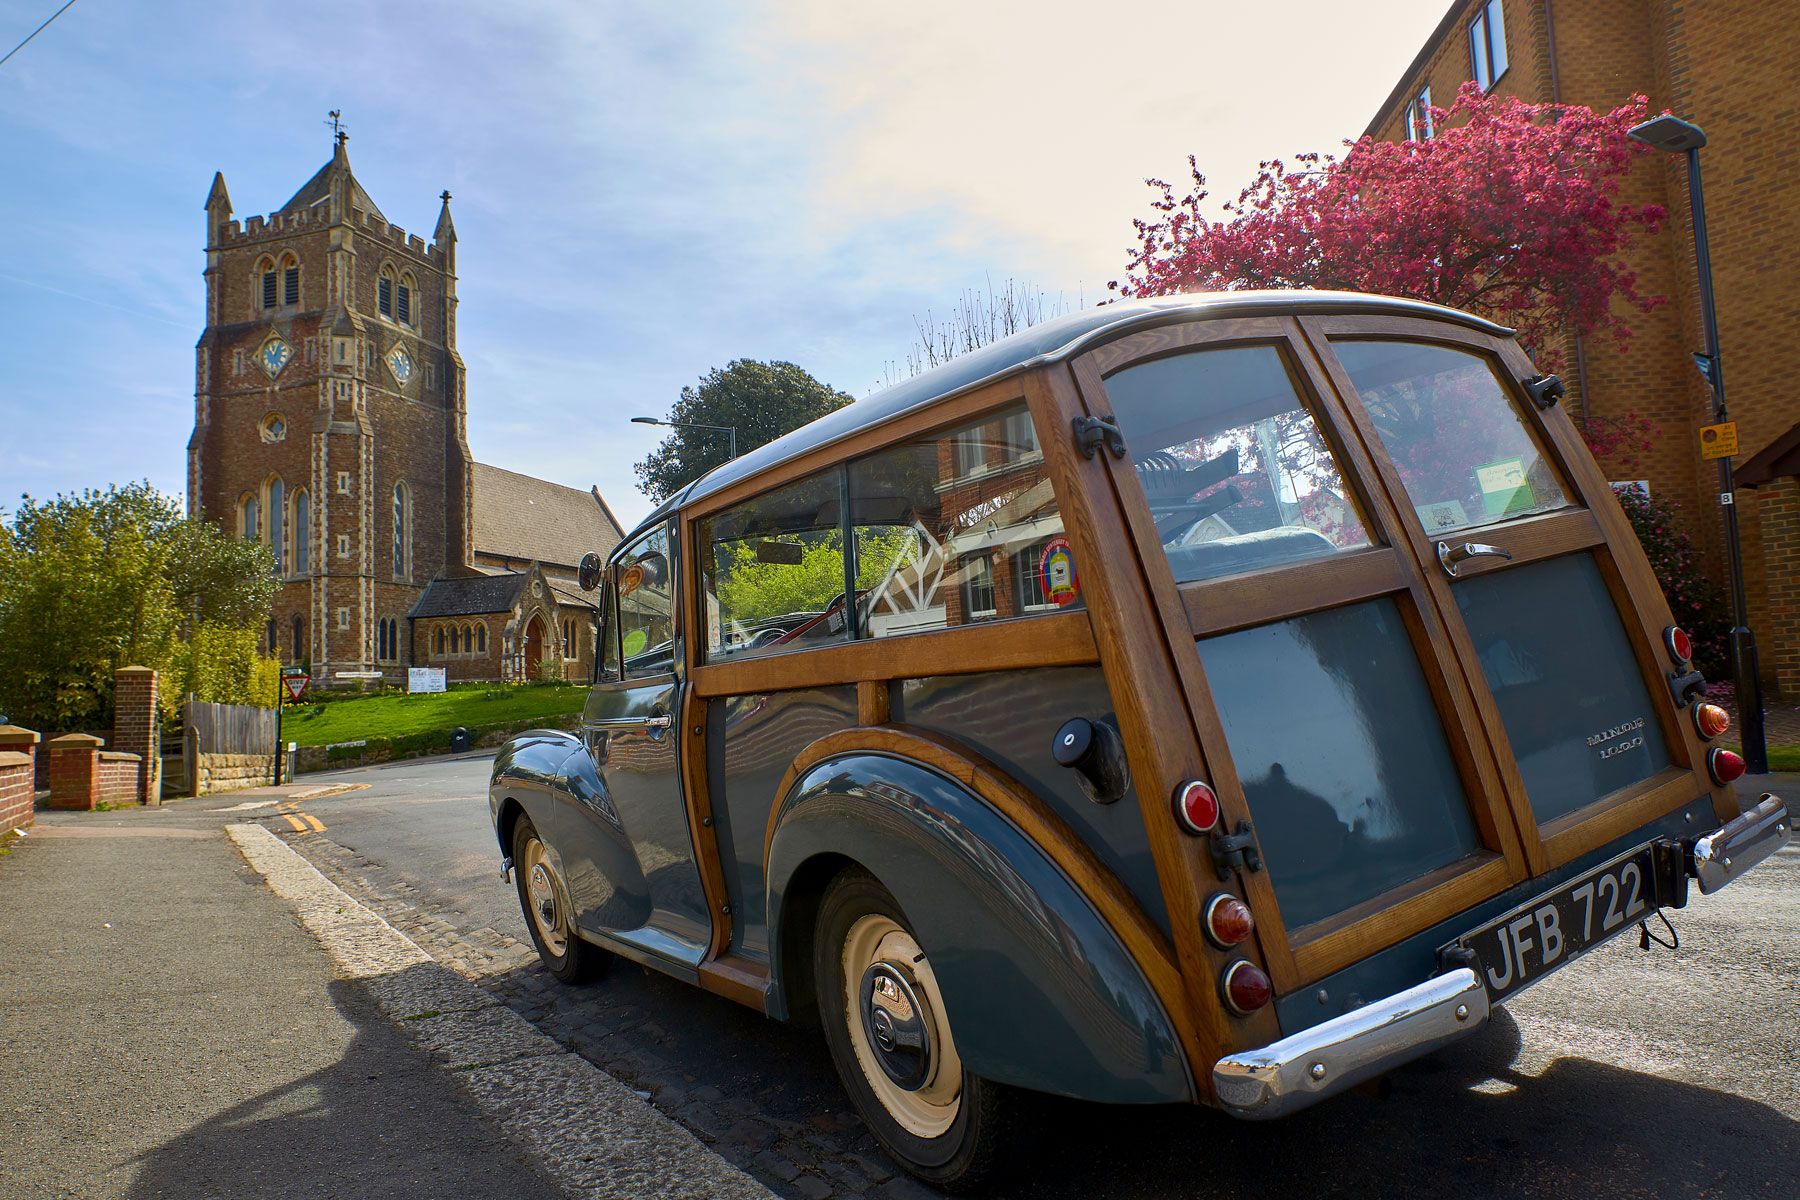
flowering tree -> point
(1510, 211)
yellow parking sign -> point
(1718, 441)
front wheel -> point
(546, 903)
(890, 1038)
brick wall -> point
(1778, 510)
(18, 776)
(74, 773)
(118, 778)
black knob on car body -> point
(1092, 750)
(1075, 742)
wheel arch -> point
(1045, 993)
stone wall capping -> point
(75, 741)
(12, 758)
(13, 735)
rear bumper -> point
(1305, 1068)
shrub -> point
(1697, 603)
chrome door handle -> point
(662, 722)
(1452, 556)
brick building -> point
(1733, 68)
(330, 423)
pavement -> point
(190, 1010)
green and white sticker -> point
(1504, 488)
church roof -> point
(534, 520)
(319, 187)
(469, 595)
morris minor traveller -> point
(1218, 699)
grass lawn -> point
(398, 714)
(1781, 758)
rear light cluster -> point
(1227, 921)
(1723, 765)
(1197, 807)
(1245, 988)
(1681, 646)
(1711, 720)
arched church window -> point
(278, 523)
(404, 300)
(270, 281)
(455, 639)
(402, 531)
(249, 527)
(290, 280)
(384, 292)
(481, 639)
(302, 534)
(439, 643)
(299, 638)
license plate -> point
(1536, 938)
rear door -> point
(1560, 638)
(1346, 723)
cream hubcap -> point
(548, 912)
(897, 1027)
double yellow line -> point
(300, 821)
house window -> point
(290, 280)
(970, 451)
(978, 586)
(1028, 576)
(302, 534)
(384, 293)
(1021, 438)
(1418, 117)
(402, 530)
(1487, 45)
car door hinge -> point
(1236, 851)
(1092, 432)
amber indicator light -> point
(1245, 988)
(1723, 765)
(1228, 922)
(1196, 807)
(1680, 645)
(1711, 720)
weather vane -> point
(337, 126)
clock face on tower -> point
(274, 355)
(400, 363)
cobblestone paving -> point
(794, 1131)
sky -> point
(642, 193)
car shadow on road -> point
(382, 1120)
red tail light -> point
(1711, 720)
(1196, 807)
(1680, 645)
(1723, 765)
(1245, 988)
(1228, 921)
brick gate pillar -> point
(18, 776)
(74, 771)
(136, 729)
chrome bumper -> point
(1305, 1068)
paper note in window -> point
(1503, 487)
(1443, 516)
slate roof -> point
(470, 595)
(319, 187)
(533, 520)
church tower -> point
(329, 414)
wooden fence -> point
(230, 728)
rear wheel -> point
(546, 903)
(890, 1038)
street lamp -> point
(1672, 135)
(730, 429)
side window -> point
(772, 572)
(958, 527)
(646, 587)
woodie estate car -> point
(1223, 698)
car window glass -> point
(958, 527)
(1237, 472)
(772, 572)
(645, 582)
(1456, 437)
(609, 633)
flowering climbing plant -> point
(1511, 211)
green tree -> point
(761, 400)
(93, 582)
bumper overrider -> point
(1305, 1068)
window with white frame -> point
(978, 586)
(1487, 45)
(1418, 116)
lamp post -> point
(730, 429)
(1675, 136)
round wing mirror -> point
(590, 572)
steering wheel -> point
(766, 637)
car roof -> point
(1054, 340)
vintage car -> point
(1217, 699)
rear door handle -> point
(1451, 557)
(662, 722)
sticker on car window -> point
(1443, 516)
(1504, 488)
(1057, 567)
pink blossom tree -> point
(1510, 212)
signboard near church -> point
(425, 679)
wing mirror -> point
(590, 572)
